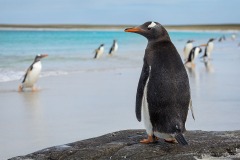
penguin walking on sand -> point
(192, 56)
(163, 93)
(99, 51)
(32, 73)
(208, 49)
(187, 49)
(114, 48)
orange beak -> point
(134, 29)
(44, 55)
(203, 45)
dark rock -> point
(125, 145)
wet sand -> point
(88, 104)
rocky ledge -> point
(125, 145)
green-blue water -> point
(74, 50)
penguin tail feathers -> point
(180, 139)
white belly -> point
(196, 53)
(100, 52)
(116, 47)
(187, 50)
(209, 49)
(145, 110)
(33, 75)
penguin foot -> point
(171, 140)
(34, 89)
(151, 139)
(20, 88)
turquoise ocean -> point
(73, 50)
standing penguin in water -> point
(99, 51)
(163, 93)
(193, 55)
(187, 49)
(114, 48)
(32, 74)
(208, 49)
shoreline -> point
(221, 27)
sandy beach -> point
(66, 109)
(82, 105)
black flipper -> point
(140, 90)
(110, 51)
(180, 139)
(29, 69)
(191, 55)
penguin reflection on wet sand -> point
(99, 51)
(192, 56)
(187, 49)
(163, 93)
(114, 48)
(32, 74)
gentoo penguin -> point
(187, 49)
(193, 55)
(32, 73)
(222, 38)
(233, 37)
(114, 48)
(208, 49)
(99, 51)
(163, 93)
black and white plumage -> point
(163, 93)
(32, 74)
(114, 48)
(222, 38)
(208, 49)
(187, 49)
(193, 54)
(99, 51)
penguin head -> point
(39, 57)
(211, 40)
(190, 41)
(101, 45)
(151, 30)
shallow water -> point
(81, 98)
(74, 50)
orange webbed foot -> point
(151, 139)
(20, 88)
(170, 140)
(34, 89)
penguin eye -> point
(149, 28)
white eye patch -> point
(152, 25)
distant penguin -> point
(208, 49)
(114, 48)
(233, 37)
(32, 74)
(163, 93)
(193, 54)
(222, 38)
(99, 51)
(187, 49)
